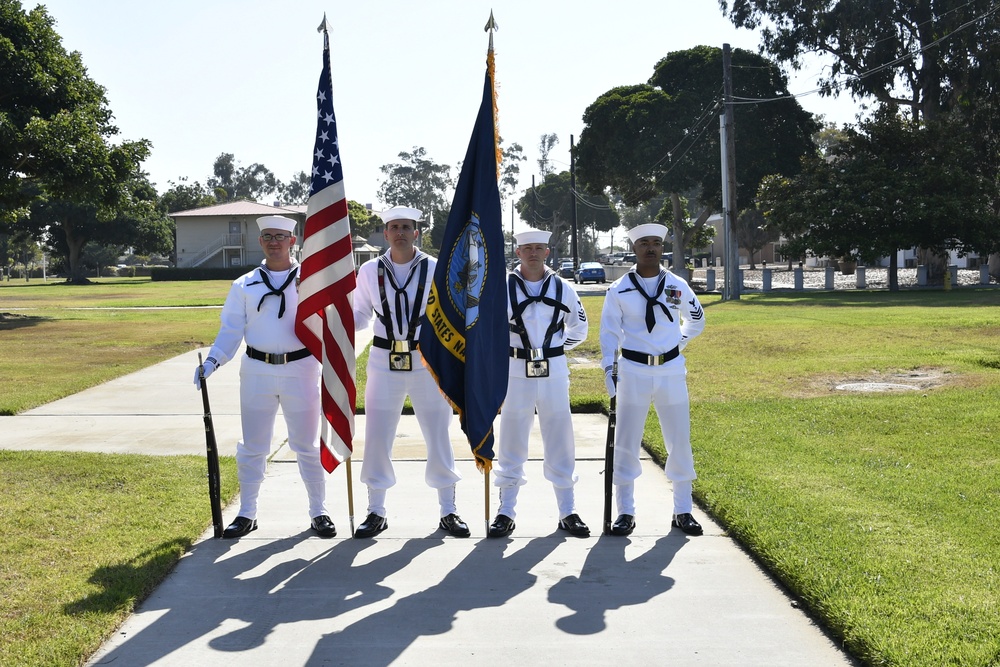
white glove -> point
(609, 381)
(209, 367)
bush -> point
(197, 273)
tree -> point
(184, 196)
(231, 182)
(752, 232)
(888, 186)
(296, 191)
(422, 183)
(545, 145)
(510, 169)
(927, 56)
(55, 124)
(550, 206)
(661, 137)
(363, 221)
(933, 59)
(68, 225)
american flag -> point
(324, 321)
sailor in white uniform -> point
(276, 371)
(546, 320)
(649, 316)
(394, 288)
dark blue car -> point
(592, 271)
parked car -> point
(592, 271)
(667, 259)
(566, 269)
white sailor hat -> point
(649, 229)
(400, 213)
(276, 222)
(532, 236)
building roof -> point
(239, 208)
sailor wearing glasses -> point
(276, 370)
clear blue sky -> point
(239, 76)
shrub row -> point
(198, 273)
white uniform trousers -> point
(298, 397)
(384, 395)
(669, 396)
(551, 398)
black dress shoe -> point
(239, 527)
(323, 526)
(372, 526)
(574, 525)
(687, 523)
(502, 526)
(454, 525)
(623, 525)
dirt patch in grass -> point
(917, 379)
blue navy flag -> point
(464, 336)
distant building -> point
(226, 235)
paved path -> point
(282, 596)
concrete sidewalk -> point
(282, 596)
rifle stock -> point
(212, 452)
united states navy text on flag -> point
(324, 321)
(464, 339)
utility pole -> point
(572, 191)
(731, 285)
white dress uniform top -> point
(398, 319)
(553, 319)
(251, 314)
(658, 376)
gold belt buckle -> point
(400, 346)
(655, 359)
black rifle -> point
(214, 479)
(609, 452)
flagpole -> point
(490, 27)
(486, 495)
(350, 494)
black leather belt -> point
(277, 359)
(395, 345)
(651, 359)
(536, 354)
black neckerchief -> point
(279, 292)
(652, 301)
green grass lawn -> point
(880, 512)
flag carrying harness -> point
(536, 362)
(400, 351)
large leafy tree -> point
(661, 138)
(550, 206)
(934, 58)
(68, 225)
(422, 183)
(55, 125)
(886, 187)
